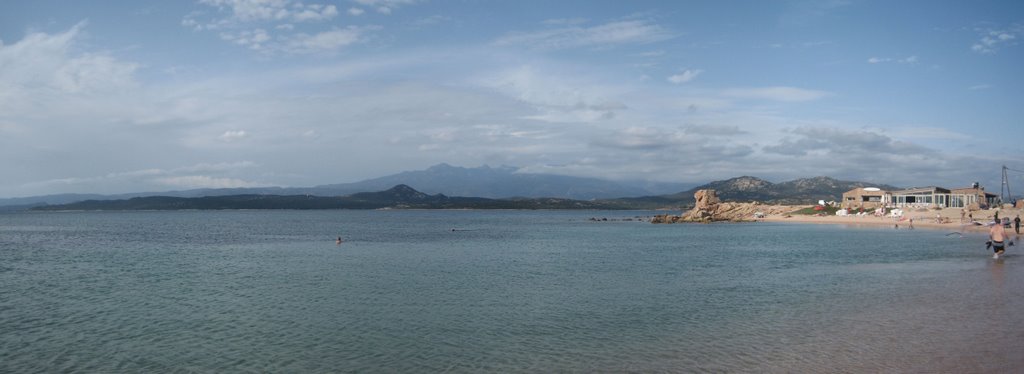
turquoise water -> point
(507, 291)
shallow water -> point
(507, 291)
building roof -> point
(921, 191)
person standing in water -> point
(998, 236)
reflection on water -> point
(509, 291)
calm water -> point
(508, 291)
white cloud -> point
(41, 61)
(356, 11)
(212, 167)
(252, 39)
(472, 105)
(299, 43)
(685, 76)
(244, 11)
(324, 41)
(233, 135)
(385, 6)
(315, 13)
(180, 177)
(907, 60)
(204, 181)
(979, 87)
(990, 41)
(268, 26)
(609, 34)
(779, 93)
(556, 96)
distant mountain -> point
(16, 202)
(398, 197)
(798, 191)
(504, 182)
(495, 183)
(746, 188)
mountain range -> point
(496, 183)
(450, 187)
(800, 191)
(398, 197)
(797, 191)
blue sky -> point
(162, 95)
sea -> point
(471, 291)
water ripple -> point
(516, 292)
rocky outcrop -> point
(709, 208)
(705, 208)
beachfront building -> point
(921, 197)
(926, 197)
(867, 198)
(965, 197)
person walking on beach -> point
(998, 237)
(1016, 224)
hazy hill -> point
(398, 197)
(503, 182)
(798, 191)
(495, 183)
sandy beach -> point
(944, 219)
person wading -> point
(998, 236)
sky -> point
(153, 95)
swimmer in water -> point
(338, 242)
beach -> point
(939, 219)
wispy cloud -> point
(606, 35)
(247, 11)
(298, 43)
(253, 39)
(685, 76)
(204, 181)
(203, 175)
(839, 142)
(268, 26)
(233, 135)
(325, 41)
(979, 87)
(778, 93)
(881, 60)
(991, 40)
(42, 61)
(385, 6)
